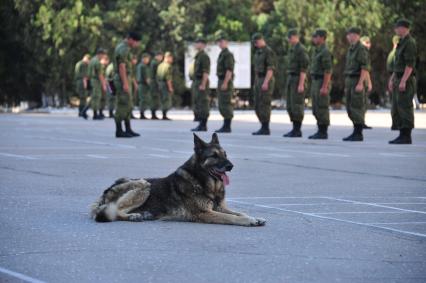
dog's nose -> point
(229, 166)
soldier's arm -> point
(123, 76)
(325, 83)
(363, 60)
(390, 82)
(229, 64)
(407, 73)
(228, 77)
(206, 70)
(410, 59)
(327, 64)
(103, 81)
(304, 66)
(169, 78)
(270, 65)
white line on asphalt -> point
(20, 276)
(279, 155)
(97, 156)
(159, 155)
(332, 218)
(17, 156)
(377, 205)
(361, 212)
(396, 223)
(345, 203)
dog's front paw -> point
(257, 221)
(136, 217)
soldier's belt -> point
(352, 75)
(293, 74)
(399, 75)
(260, 75)
(317, 77)
(221, 77)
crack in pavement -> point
(30, 171)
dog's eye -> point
(215, 155)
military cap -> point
(292, 32)
(403, 23)
(221, 36)
(144, 55)
(134, 35)
(200, 40)
(256, 36)
(356, 30)
(320, 32)
(101, 51)
(168, 53)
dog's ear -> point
(199, 144)
(215, 139)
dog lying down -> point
(195, 192)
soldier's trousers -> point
(96, 95)
(262, 99)
(320, 103)
(402, 103)
(82, 93)
(201, 105)
(225, 100)
(355, 106)
(155, 96)
(295, 100)
(166, 96)
(144, 93)
(124, 101)
(111, 101)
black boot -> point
(95, 115)
(119, 131)
(84, 112)
(364, 126)
(321, 134)
(356, 135)
(165, 116)
(202, 127)
(143, 115)
(226, 128)
(101, 114)
(296, 132)
(111, 114)
(196, 118)
(153, 115)
(403, 138)
(129, 129)
(80, 110)
(394, 127)
(263, 131)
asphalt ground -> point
(336, 211)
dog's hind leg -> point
(131, 200)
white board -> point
(242, 70)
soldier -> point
(298, 62)
(135, 98)
(97, 83)
(320, 87)
(200, 85)
(225, 86)
(403, 81)
(356, 71)
(81, 77)
(389, 68)
(165, 83)
(104, 63)
(144, 79)
(155, 92)
(123, 84)
(365, 40)
(263, 88)
(109, 74)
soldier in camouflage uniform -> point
(97, 83)
(200, 85)
(356, 72)
(389, 68)
(109, 74)
(104, 63)
(123, 84)
(144, 79)
(365, 40)
(135, 97)
(402, 83)
(81, 78)
(298, 62)
(164, 78)
(321, 68)
(225, 86)
(263, 88)
(155, 92)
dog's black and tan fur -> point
(194, 192)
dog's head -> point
(212, 158)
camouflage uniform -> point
(389, 68)
(165, 74)
(225, 62)
(144, 79)
(109, 75)
(155, 92)
(201, 97)
(80, 72)
(95, 70)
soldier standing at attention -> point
(200, 85)
(155, 92)
(104, 64)
(402, 83)
(389, 68)
(263, 88)
(225, 86)
(81, 77)
(109, 74)
(298, 62)
(365, 40)
(135, 98)
(321, 69)
(144, 79)
(123, 84)
(165, 83)
(97, 82)
(356, 72)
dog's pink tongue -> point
(225, 179)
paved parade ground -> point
(336, 212)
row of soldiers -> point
(319, 66)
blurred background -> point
(42, 40)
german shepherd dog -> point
(195, 192)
